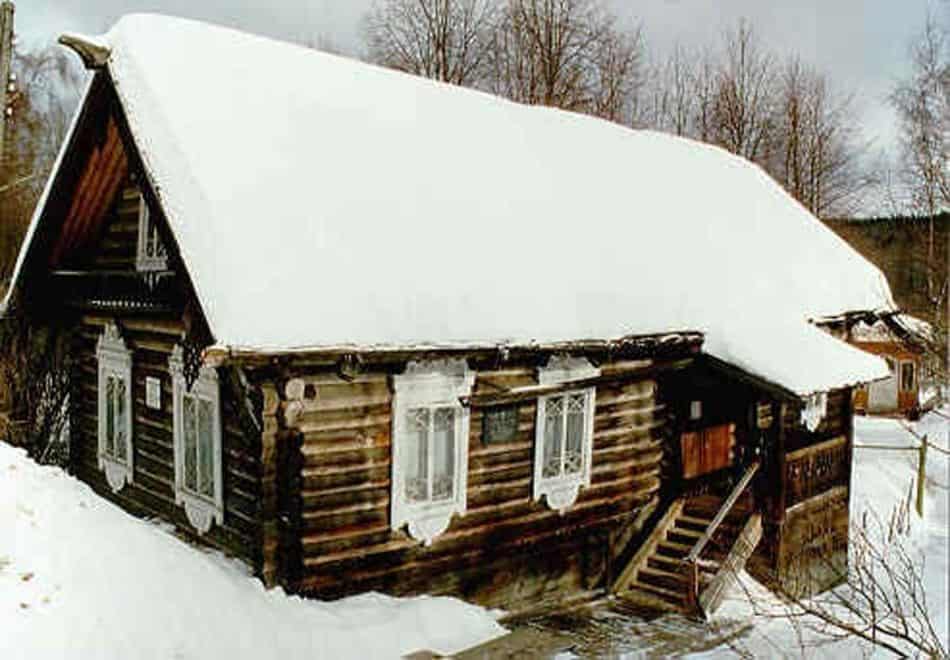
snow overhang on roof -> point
(319, 201)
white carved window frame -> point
(561, 492)
(201, 510)
(114, 360)
(150, 255)
(436, 384)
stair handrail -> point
(724, 510)
(692, 559)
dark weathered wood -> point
(724, 511)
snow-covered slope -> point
(319, 201)
(80, 578)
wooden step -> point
(641, 600)
(666, 563)
(673, 597)
(673, 549)
(661, 578)
(684, 536)
(693, 521)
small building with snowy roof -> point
(903, 341)
(368, 331)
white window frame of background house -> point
(560, 491)
(115, 456)
(151, 253)
(913, 376)
(202, 508)
(428, 392)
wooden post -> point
(921, 475)
(6, 56)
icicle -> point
(816, 405)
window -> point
(430, 446)
(695, 410)
(114, 408)
(197, 434)
(151, 252)
(564, 433)
(907, 377)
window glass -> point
(416, 457)
(110, 415)
(190, 429)
(553, 432)
(574, 441)
(205, 448)
(121, 419)
(443, 453)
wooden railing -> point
(693, 563)
(116, 290)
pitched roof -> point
(319, 201)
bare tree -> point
(569, 54)
(818, 148)
(922, 102)
(46, 92)
(745, 96)
(671, 102)
(881, 600)
(446, 40)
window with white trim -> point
(564, 433)
(114, 408)
(430, 446)
(151, 253)
(197, 435)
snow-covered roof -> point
(895, 328)
(319, 202)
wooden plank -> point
(723, 511)
(727, 575)
(629, 573)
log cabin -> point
(365, 331)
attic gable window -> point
(564, 433)
(151, 252)
(430, 446)
(114, 408)
(197, 440)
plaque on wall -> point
(499, 425)
(153, 393)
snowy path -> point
(80, 578)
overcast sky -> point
(862, 44)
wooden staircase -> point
(691, 559)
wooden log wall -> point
(151, 492)
(118, 245)
(804, 548)
(507, 549)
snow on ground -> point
(80, 578)
(881, 479)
